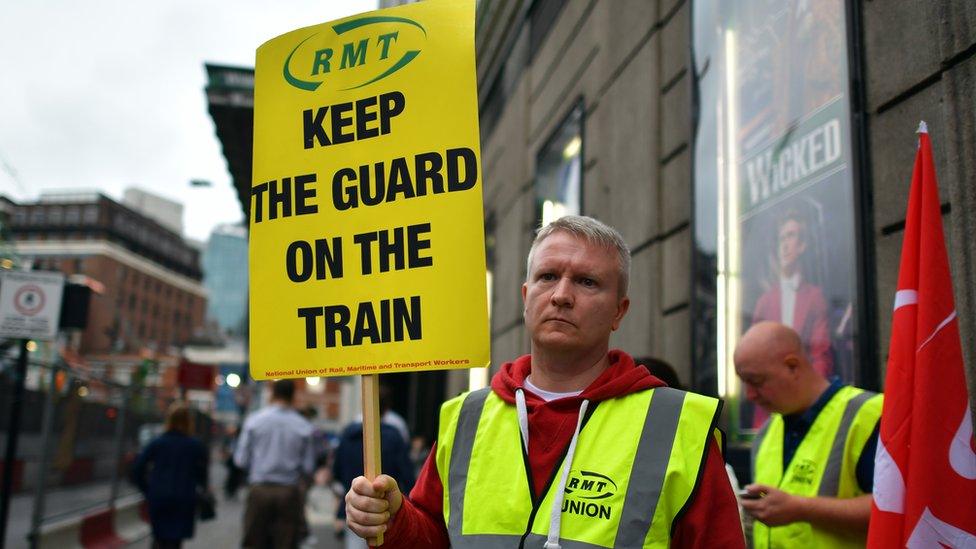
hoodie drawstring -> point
(555, 519)
(523, 418)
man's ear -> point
(792, 362)
(622, 308)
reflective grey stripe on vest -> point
(643, 492)
(650, 466)
(536, 541)
(532, 541)
(830, 483)
(487, 541)
(467, 426)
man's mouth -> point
(561, 320)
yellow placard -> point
(367, 235)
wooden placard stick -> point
(372, 455)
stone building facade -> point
(625, 67)
(626, 63)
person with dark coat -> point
(348, 463)
(169, 472)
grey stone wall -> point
(627, 61)
(921, 65)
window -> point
(559, 173)
(775, 231)
(72, 215)
(91, 214)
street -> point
(59, 504)
(224, 531)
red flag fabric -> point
(925, 467)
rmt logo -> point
(371, 47)
(584, 489)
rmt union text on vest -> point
(588, 509)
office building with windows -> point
(152, 295)
(225, 278)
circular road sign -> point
(29, 300)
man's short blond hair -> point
(593, 231)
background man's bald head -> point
(771, 340)
(774, 370)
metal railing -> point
(79, 435)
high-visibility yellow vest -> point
(636, 466)
(824, 464)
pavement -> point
(222, 532)
(225, 530)
(59, 503)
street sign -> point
(30, 304)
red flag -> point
(925, 468)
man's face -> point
(571, 297)
(767, 382)
(791, 245)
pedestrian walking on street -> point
(235, 475)
(276, 448)
(171, 472)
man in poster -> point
(795, 302)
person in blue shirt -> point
(276, 448)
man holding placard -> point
(573, 441)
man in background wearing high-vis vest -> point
(574, 445)
(813, 461)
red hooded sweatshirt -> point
(712, 519)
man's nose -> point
(562, 293)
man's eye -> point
(588, 282)
(548, 277)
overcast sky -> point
(107, 95)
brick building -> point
(153, 298)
